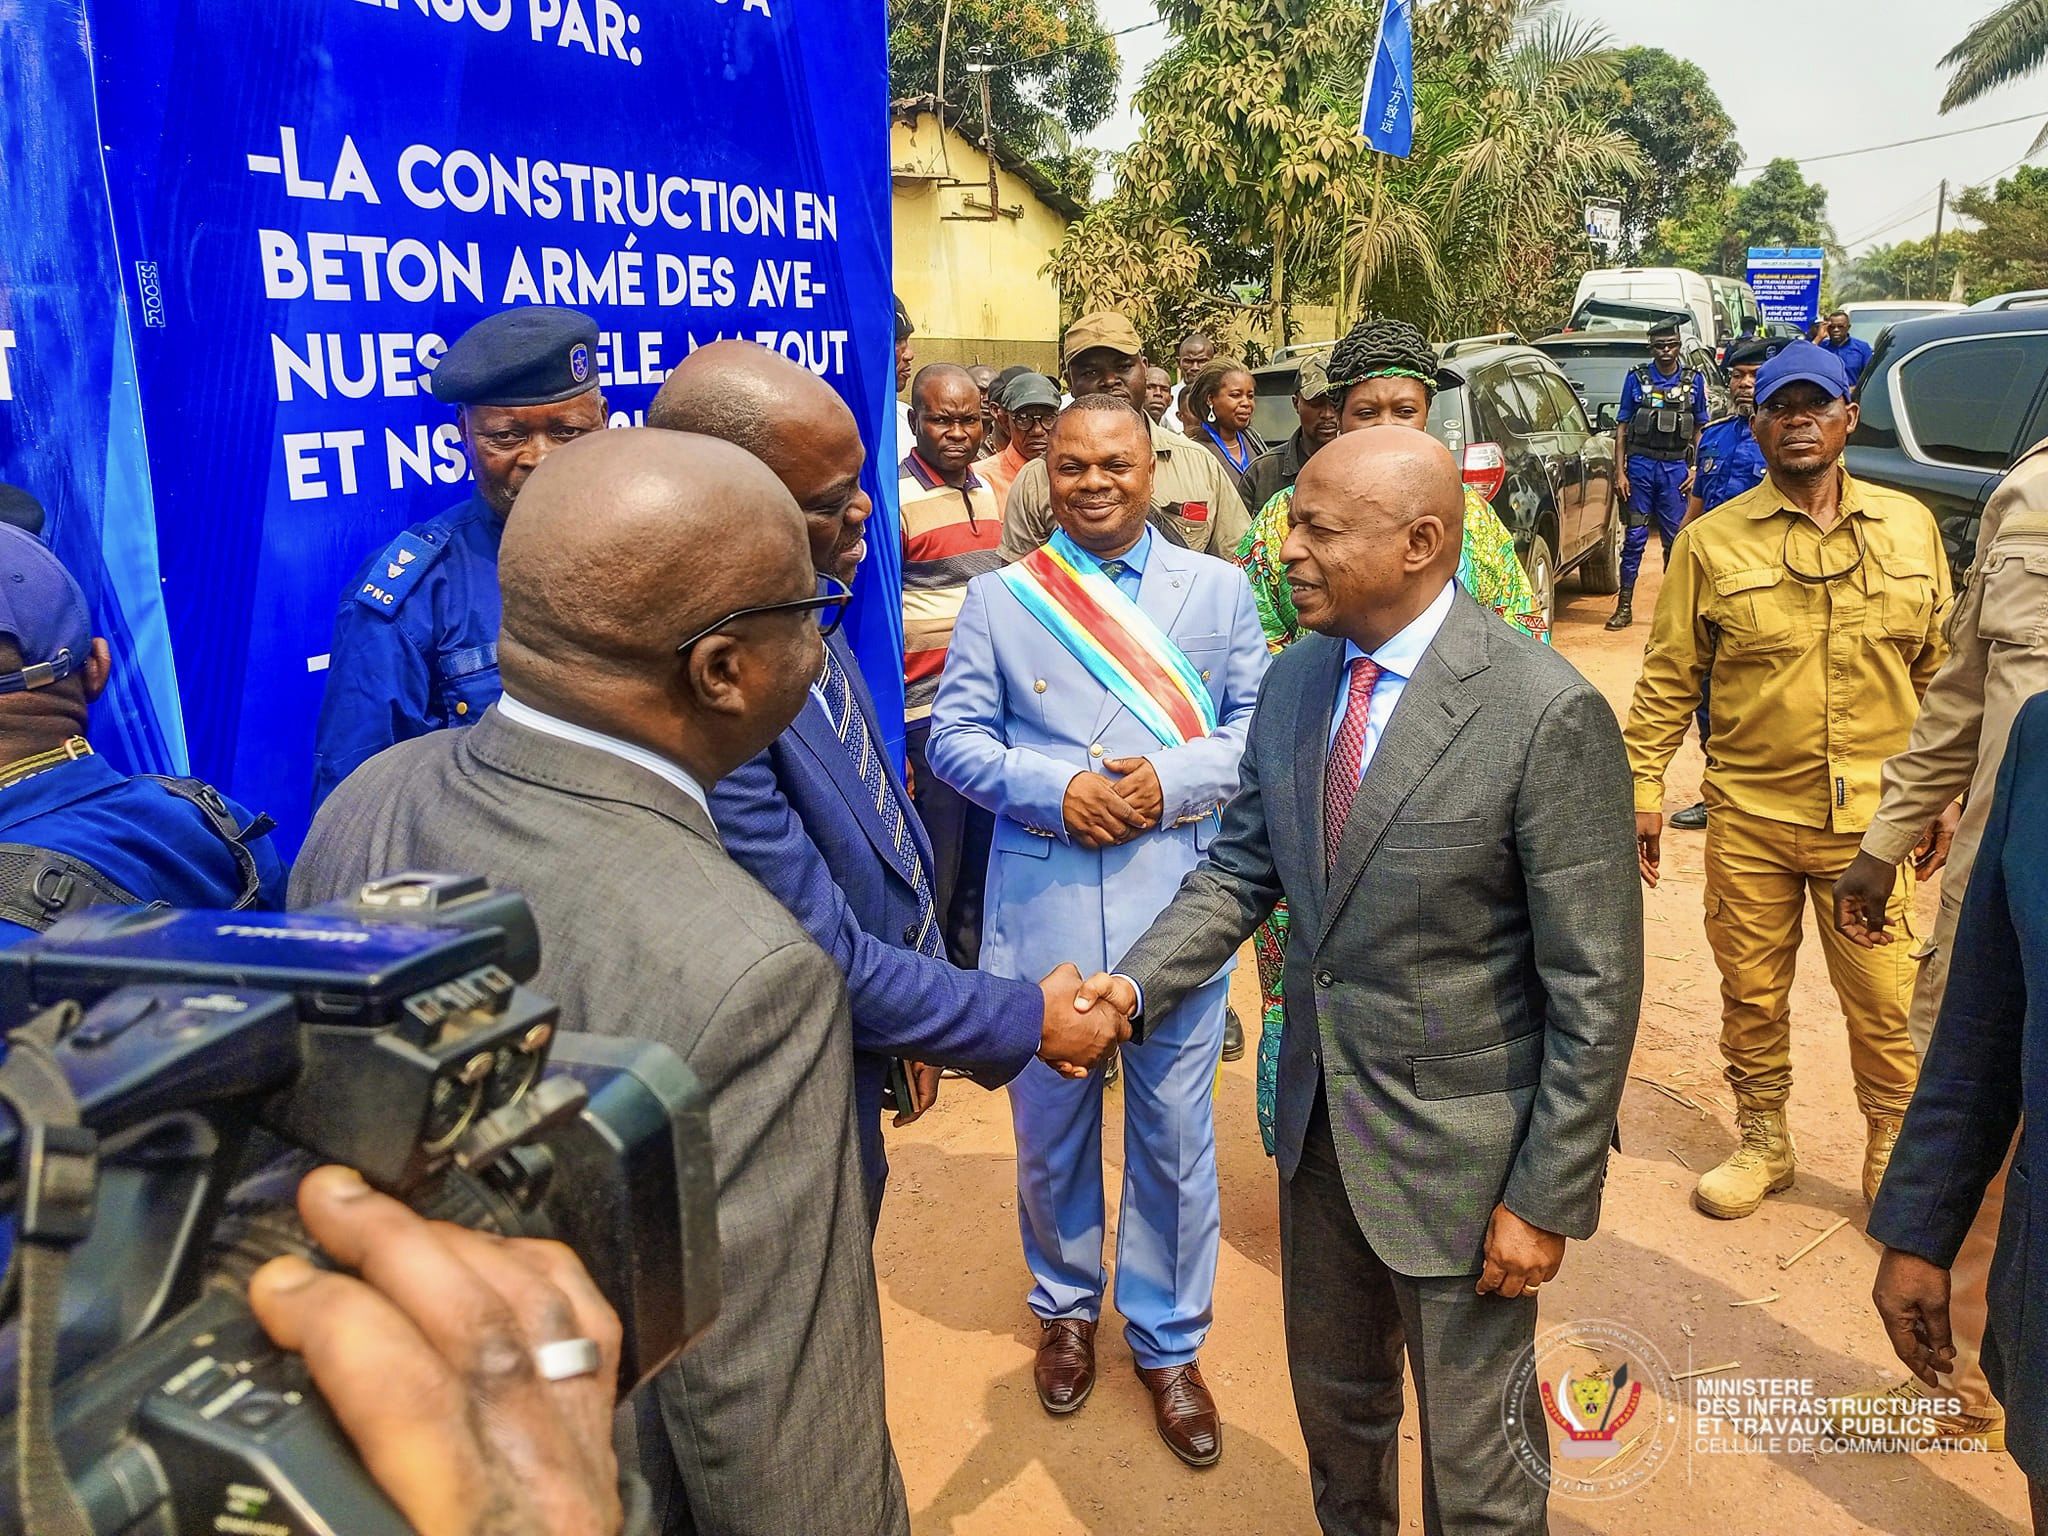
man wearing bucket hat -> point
(74, 831)
(1194, 498)
(416, 639)
(1816, 602)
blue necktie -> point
(851, 727)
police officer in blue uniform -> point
(75, 833)
(1663, 406)
(416, 641)
(1730, 462)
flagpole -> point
(1379, 35)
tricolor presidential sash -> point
(1063, 587)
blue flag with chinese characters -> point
(1387, 119)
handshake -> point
(1084, 1021)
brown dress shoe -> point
(1186, 1413)
(1065, 1371)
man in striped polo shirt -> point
(952, 531)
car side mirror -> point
(1608, 414)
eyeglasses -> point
(829, 605)
(1822, 579)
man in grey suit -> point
(661, 626)
(1445, 806)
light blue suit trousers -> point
(1017, 718)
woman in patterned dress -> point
(1383, 373)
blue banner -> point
(1786, 280)
(70, 425)
(307, 210)
(1386, 120)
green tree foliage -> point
(1686, 137)
(2004, 46)
(1904, 270)
(1714, 233)
(1060, 77)
(2009, 247)
(1249, 166)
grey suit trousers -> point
(1349, 1319)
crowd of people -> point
(1167, 689)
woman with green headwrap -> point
(1383, 373)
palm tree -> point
(1449, 238)
(2002, 47)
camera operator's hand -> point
(428, 1360)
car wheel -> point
(1541, 565)
(1600, 571)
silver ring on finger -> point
(566, 1359)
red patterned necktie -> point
(1340, 777)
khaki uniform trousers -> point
(1760, 876)
(1970, 1276)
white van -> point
(1667, 287)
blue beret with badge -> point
(534, 355)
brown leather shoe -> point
(1186, 1413)
(1065, 1370)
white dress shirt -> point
(661, 767)
(1397, 661)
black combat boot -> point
(1624, 611)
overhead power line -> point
(1871, 149)
(1047, 53)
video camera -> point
(214, 1057)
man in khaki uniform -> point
(1817, 603)
(1194, 498)
(1998, 659)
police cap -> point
(1663, 328)
(534, 355)
(1752, 351)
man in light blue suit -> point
(821, 818)
(1096, 698)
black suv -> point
(1522, 436)
(1948, 403)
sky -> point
(1800, 78)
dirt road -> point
(981, 1458)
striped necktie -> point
(851, 727)
(1347, 757)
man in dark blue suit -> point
(1985, 1074)
(822, 818)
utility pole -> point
(945, 28)
(1940, 207)
(988, 142)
